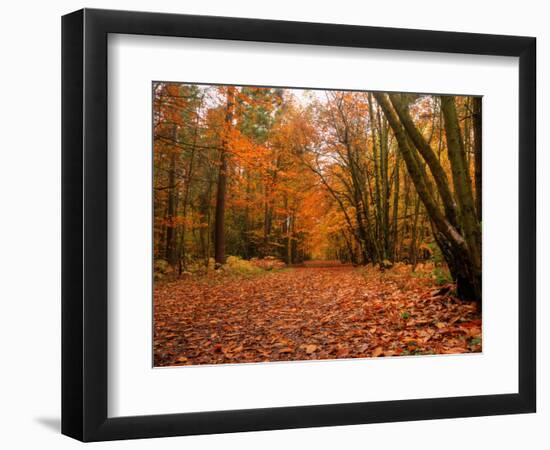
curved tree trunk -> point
(460, 243)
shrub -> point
(162, 266)
(161, 269)
(236, 265)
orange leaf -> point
(311, 348)
(342, 352)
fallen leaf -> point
(342, 352)
(216, 319)
(286, 350)
(310, 348)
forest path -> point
(320, 310)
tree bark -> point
(219, 228)
(477, 153)
(395, 212)
(463, 190)
(170, 252)
(429, 156)
(182, 257)
(413, 250)
(462, 261)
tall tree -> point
(477, 152)
(219, 230)
(459, 240)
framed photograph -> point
(273, 225)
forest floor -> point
(319, 311)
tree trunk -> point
(376, 159)
(413, 251)
(385, 191)
(463, 190)
(289, 227)
(460, 251)
(429, 156)
(170, 252)
(477, 153)
(219, 228)
(182, 257)
(395, 212)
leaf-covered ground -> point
(314, 312)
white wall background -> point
(30, 225)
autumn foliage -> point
(255, 189)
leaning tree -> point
(455, 219)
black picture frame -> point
(84, 224)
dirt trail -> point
(323, 310)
